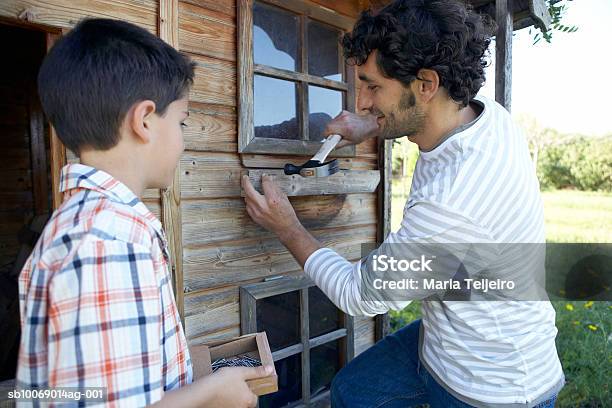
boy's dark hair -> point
(94, 74)
(446, 36)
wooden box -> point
(253, 345)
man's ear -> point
(140, 120)
(428, 83)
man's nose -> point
(364, 100)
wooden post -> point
(503, 53)
(381, 323)
(38, 154)
(171, 197)
(56, 147)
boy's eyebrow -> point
(364, 77)
(186, 113)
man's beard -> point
(410, 122)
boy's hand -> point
(228, 387)
(225, 388)
(273, 211)
(353, 128)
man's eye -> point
(372, 87)
(184, 125)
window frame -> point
(251, 293)
(247, 69)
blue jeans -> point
(390, 375)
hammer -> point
(316, 167)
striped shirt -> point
(477, 186)
(97, 308)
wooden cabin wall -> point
(222, 248)
(23, 181)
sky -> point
(567, 84)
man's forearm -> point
(300, 243)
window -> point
(292, 76)
(310, 339)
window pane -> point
(323, 43)
(275, 34)
(324, 364)
(275, 108)
(279, 317)
(323, 104)
(289, 371)
(324, 316)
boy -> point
(97, 308)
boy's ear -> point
(140, 120)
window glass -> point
(323, 51)
(324, 364)
(324, 316)
(289, 371)
(323, 104)
(279, 317)
(275, 108)
(275, 34)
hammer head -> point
(313, 168)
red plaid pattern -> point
(97, 308)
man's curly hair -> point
(446, 36)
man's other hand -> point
(272, 210)
(353, 128)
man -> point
(421, 66)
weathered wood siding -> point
(222, 248)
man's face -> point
(395, 105)
(168, 144)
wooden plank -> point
(207, 32)
(348, 8)
(66, 13)
(223, 6)
(327, 337)
(16, 180)
(342, 182)
(361, 162)
(56, 147)
(171, 197)
(315, 12)
(246, 132)
(302, 86)
(211, 128)
(225, 219)
(228, 332)
(298, 76)
(214, 81)
(305, 339)
(211, 311)
(40, 174)
(364, 333)
(236, 261)
(15, 200)
(503, 53)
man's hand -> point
(353, 128)
(273, 211)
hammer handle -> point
(328, 146)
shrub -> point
(581, 163)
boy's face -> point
(168, 145)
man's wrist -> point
(290, 233)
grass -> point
(585, 328)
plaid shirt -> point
(97, 308)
